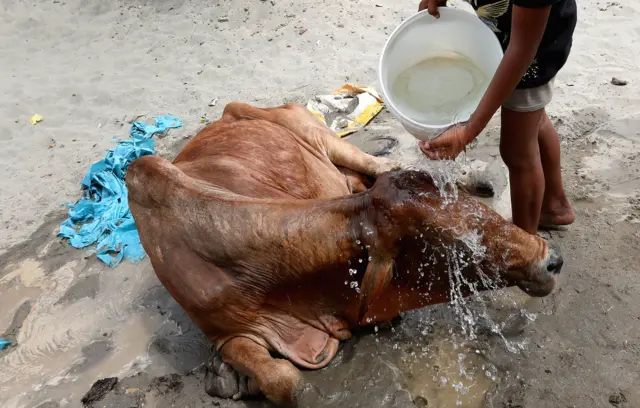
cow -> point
(278, 239)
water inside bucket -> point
(440, 89)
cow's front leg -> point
(343, 153)
(278, 379)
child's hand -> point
(432, 6)
(449, 144)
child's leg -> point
(520, 152)
(556, 209)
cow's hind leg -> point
(310, 130)
(278, 379)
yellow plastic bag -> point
(348, 109)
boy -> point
(536, 36)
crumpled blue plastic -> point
(102, 215)
(4, 343)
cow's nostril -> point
(555, 265)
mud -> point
(88, 287)
(19, 317)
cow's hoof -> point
(222, 380)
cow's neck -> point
(294, 237)
(323, 233)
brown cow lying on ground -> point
(265, 231)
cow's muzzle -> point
(543, 277)
(553, 263)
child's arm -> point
(527, 28)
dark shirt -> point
(556, 42)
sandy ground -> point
(90, 67)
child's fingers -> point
(433, 8)
(429, 152)
(431, 5)
(439, 142)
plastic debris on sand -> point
(4, 344)
(35, 119)
(102, 215)
(348, 109)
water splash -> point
(445, 177)
(474, 312)
(472, 309)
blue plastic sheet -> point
(4, 343)
(102, 215)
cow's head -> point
(409, 211)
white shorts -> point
(530, 99)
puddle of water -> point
(127, 354)
(450, 376)
(63, 348)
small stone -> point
(617, 399)
(302, 31)
(420, 402)
(223, 20)
(99, 389)
(618, 82)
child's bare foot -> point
(554, 215)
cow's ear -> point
(376, 278)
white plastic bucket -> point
(423, 36)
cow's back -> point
(261, 159)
